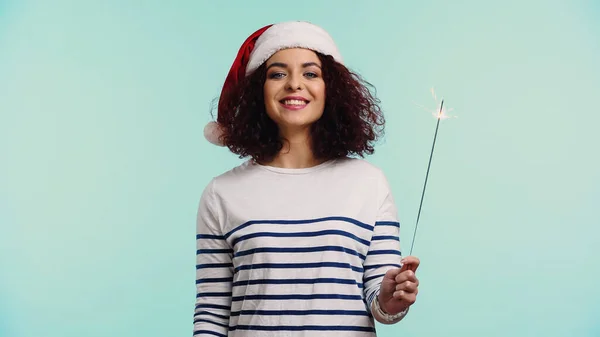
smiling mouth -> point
(294, 102)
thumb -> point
(410, 263)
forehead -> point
(294, 55)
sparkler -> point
(441, 114)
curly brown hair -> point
(351, 122)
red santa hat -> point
(261, 45)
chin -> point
(295, 118)
(298, 122)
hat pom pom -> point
(213, 133)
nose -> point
(294, 82)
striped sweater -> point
(293, 252)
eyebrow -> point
(284, 65)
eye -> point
(311, 75)
(276, 75)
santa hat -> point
(260, 46)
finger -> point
(392, 274)
(402, 295)
(407, 275)
(409, 287)
(410, 263)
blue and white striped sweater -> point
(312, 268)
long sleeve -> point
(214, 270)
(384, 250)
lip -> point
(294, 107)
(299, 98)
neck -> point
(296, 152)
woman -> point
(301, 239)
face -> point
(294, 90)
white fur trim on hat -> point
(296, 34)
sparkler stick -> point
(439, 117)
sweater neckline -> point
(303, 170)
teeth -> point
(294, 102)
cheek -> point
(268, 97)
(319, 94)
(267, 92)
(271, 91)
(319, 91)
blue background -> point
(103, 160)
